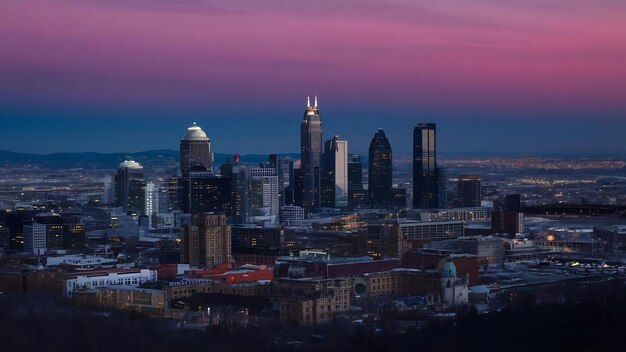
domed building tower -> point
(454, 290)
(195, 148)
(130, 187)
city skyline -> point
(524, 77)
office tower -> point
(298, 188)
(335, 174)
(469, 191)
(357, 197)
(380, 171)
(263, 195)
(34, 237)
(507, 222)
(152, 199)
(236, 172)
(510, 219)
(512, 202)
(425, 179)
(284, 171)
(164, 200)
(442, 184)
(195, 148)
(54, 229)
(206, 240)
(310, 155)
(201, 191)
(130, 187)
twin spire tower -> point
(308, 102)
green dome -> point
(447, 268)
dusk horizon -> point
(516, 77)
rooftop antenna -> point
(316, 101)
(308, 102)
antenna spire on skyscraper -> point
(308, 102)
(316, 101)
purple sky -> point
(123, 64)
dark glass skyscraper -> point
(310, 154)
(425, 178)
(380, 171)
(469, 191)
(357, 196)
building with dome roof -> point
(130, 187)
(454, 290)
(195, 148)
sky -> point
(532, 76)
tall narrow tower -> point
(425, 175)
(310, 154)
(380, 171)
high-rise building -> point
(512, 202)
(297, 189)
(54, 229)
(236, 172)
(310, 155)
(335, 174)
(34, 237)
(206, 240)
(202, 191)
(262, 184)
(425, 178)
(195, 148)
(284, 171)
(152, 199)
(469, 191)
(507, 222)
(380, 171)
(357, 197)
(130, 187)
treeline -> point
(594, 322)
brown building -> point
(177, 291)
(311, 301)
(507, 222)
(206, 240)
(124, 297)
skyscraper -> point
(356, 194)
(310, 154)
(425, 178)
(130, 187)
(335, 174)
(263, 194)
(380, 171)
(236, 172)
(284, 171)
(195, 148)
(468, 191)
(206, 240)
(204, 192)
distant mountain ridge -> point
(92, 160)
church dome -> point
(447, 268)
